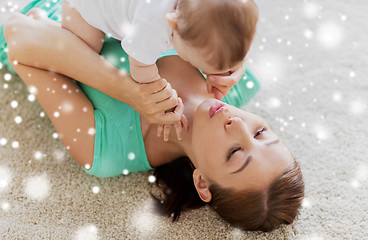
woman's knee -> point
(11, 26)
(13, 35)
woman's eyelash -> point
(232, 152)
(259, 132)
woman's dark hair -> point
(176, 181)
(249, 210)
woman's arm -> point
(45, 46)
(38, 44)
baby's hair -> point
(224, 29)
(249, 210)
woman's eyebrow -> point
(244, 165)
(272, 142)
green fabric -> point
(119, 144)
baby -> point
(212, 35)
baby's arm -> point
(143, 73)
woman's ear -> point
(202, 186)
(172, 19)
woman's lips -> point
(217, 107)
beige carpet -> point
(312, 59)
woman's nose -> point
(239, 129)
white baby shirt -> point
(140, 25)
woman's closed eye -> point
(259, 132)
(237, 148)
(232, 152)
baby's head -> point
(214, 35)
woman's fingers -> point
(167, 104)
(160, 128)
(155, 86)
(166, 129)
(163, 94)
(179, 126)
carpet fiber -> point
(311, 57)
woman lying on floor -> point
(228, 158)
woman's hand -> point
(151, 100)
(179, 126)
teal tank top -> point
(119, 146)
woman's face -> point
(236, 149)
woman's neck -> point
(191, 88)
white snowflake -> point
(89, 232)
(14, 104)
(329, 35)
(33, 90)
(250, 84)
(337, 96)
(274, 102)
(38, 155)
(321, 132)
(151, 179)
(5, 177)
(37, 187)
(7, 77)
(15, 144)
(18, 119)
(3, 141)
(131, 156)
(311, 10)
(306, 203)
(308, 34)
(357, 107)
(91, 131)
(31, 98)
(95, 189)
(5, 206)
(59, 155)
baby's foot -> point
(41, 15)
(36, 13)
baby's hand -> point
(179, 126)
(220, 85)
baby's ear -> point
(172, 19)
(202, 186)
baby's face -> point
(197, 58)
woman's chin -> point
(202, 114)
(206, 104)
